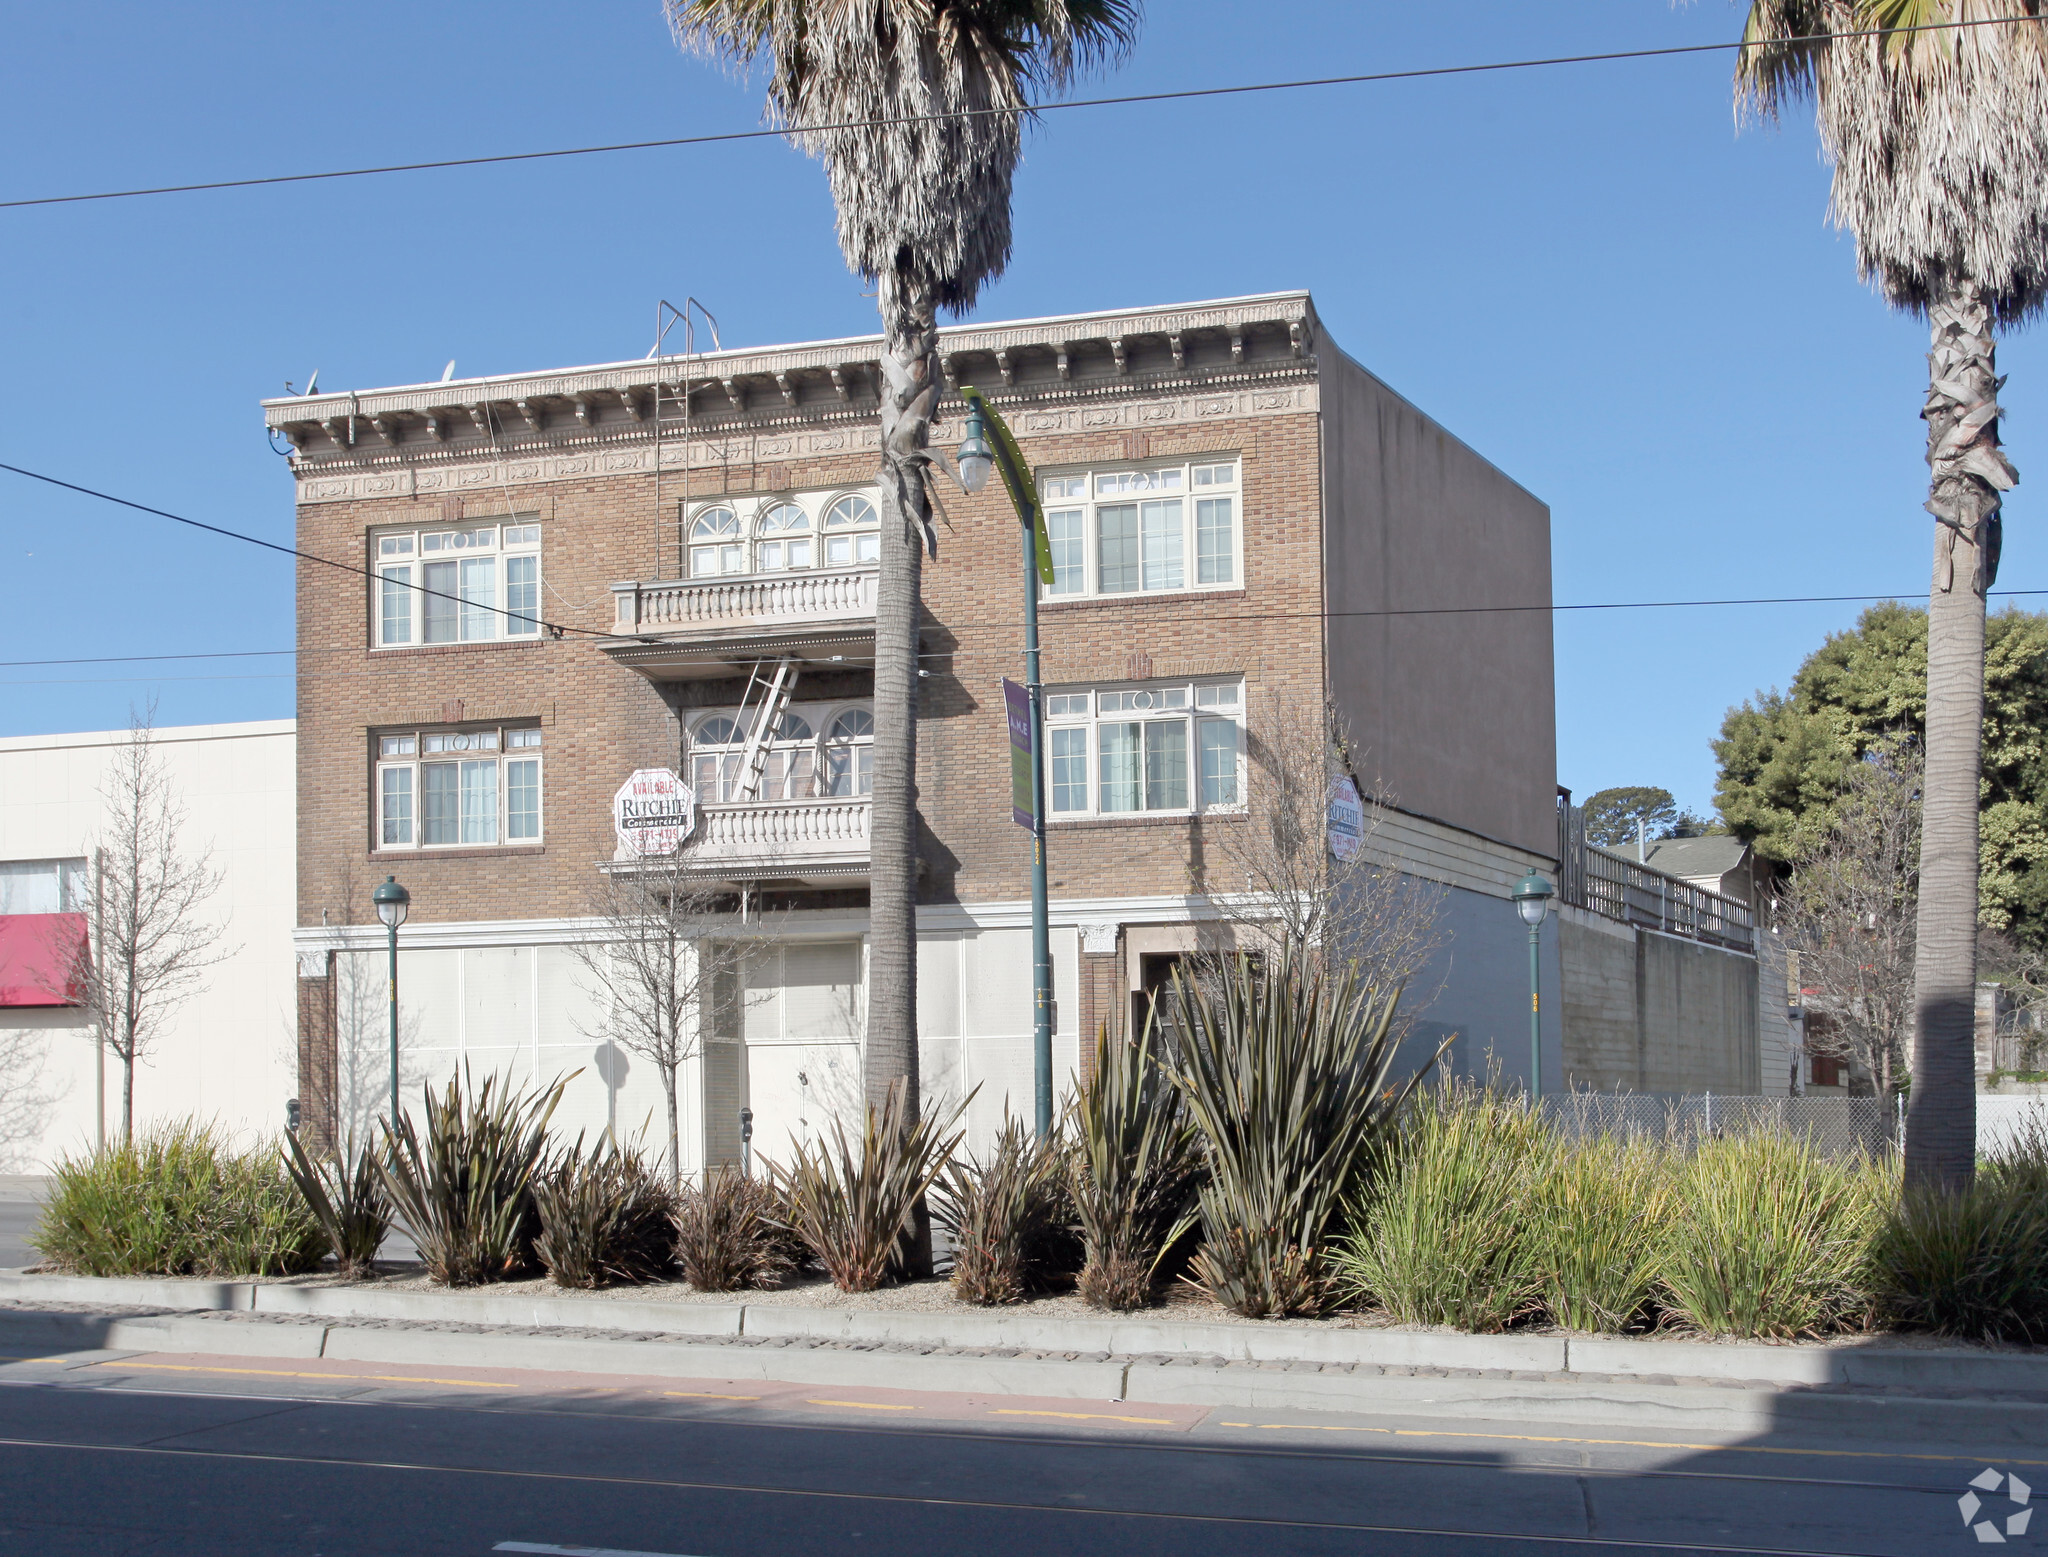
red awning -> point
(41, 959)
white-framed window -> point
(819, 751)
(784, 533)
(471, 583)
(850, 755)
(452, 789)
(852, 531)
(1145, 529)
(716, 545)
(44, 887)
(1173, 747)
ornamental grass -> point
(179, 1200)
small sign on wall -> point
(1347, 818)
(653, 812)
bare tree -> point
(156, 942)
(658, 965)
(1278, 877)
(1852, 908)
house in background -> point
(226, 1055)
(1716, 862)
(1241, 517)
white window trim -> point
(819, 716)
(750, 507)
(1189, 495)
(1192, 713)
(505, 629)
(504, 755)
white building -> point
(228, 1054)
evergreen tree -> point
(1783, 756)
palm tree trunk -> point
(1969, 472)
(910, 364)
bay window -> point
(473, 584)
(438, 789)
(1175, 747)
(1143, 531)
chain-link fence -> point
(1840, 1126)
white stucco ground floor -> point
(514, 998)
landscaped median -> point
(1882, 1389)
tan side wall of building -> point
(1454, 712)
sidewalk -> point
(1879, 1390)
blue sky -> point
(1583, 271)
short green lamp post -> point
(1532, 901)
(393, 902)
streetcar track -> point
(1456, 1459)
(992, 1505)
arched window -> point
(792, 768)
(715, 749)
(785, 539)
(716, 545)
(850, 755)
(852, 531)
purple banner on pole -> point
(1018, 703)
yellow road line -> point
(1091, 1416)
(281, 1373)
(859, 1405)
(1624, 1443)
(705, 1394)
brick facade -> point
(1230, 381)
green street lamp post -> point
(980, 454)
(1532, 901)
(393, 901)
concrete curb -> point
(1876, 1366)
(681, 1360)
(1671, 1410)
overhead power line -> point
(1129, 99)
(131, 659)
(953, 627)
(305, 556)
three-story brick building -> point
(566, 577)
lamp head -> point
(976, 459)
(392, 901)
(1532, 896)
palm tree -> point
(915, 107)
(1938, 138)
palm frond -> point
(915, 108)
(1938, 137)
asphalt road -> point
(239, 1457)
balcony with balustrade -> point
(709, 628)
(820, 843)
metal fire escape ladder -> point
(762, 726)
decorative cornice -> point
(1131, 369)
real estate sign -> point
(1347, 818)
(1018, 701)
(653, 812)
